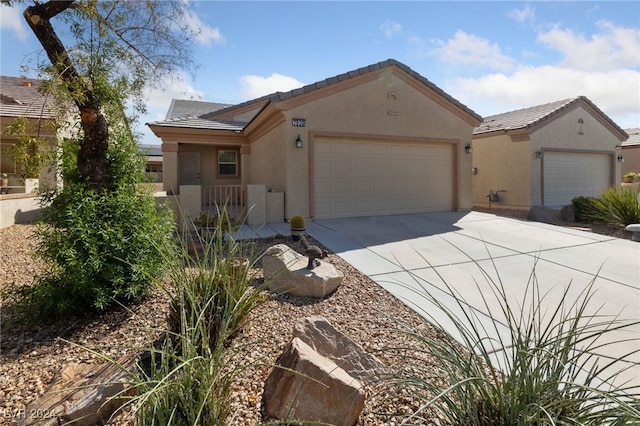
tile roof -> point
(18, 99)
(208, 121)
(181, 108)
(199, 123)
(282, 96)
(534, 116)
(634, 137)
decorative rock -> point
(568, 213)
(285, 271)
(83, 394)
(311, 389)
(635, 228)
(322, 337)
(542, 214)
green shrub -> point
(616, 205)
(540, 371)
(582, 206)
(98, 246)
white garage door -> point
(570, 174)
(366, 178)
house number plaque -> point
(298, 122)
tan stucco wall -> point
(387, 107)
(510, 164)
(502, 165)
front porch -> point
(248, 204)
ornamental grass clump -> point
(186, 377)
(524, 364)
(618, 204)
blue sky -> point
(492, 56)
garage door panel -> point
(571, 174)
(381, 178)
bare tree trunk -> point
(92, 163)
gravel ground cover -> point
(31, 358)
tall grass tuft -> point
(616, 205)
(537, 367)
(186, 378)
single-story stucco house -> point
(377, 140)
(545, 155)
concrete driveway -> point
(412, 255)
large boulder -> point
(285, 271)
(309, 388)
(542, 214)
(568, 213)
(321, 336)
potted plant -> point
(297, 227)
(4, 181)
(211, 225)
(629, 177)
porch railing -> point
(219, 196)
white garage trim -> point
(366, 177)
(568, 174)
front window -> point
(227, 163)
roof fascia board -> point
(436, 97)
(203, 136)
(591, 109)
(267, 120)
(325, 89)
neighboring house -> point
(546, 155)
(631, 152)
(20, 97)
(378, 140)
(153, 156)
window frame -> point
(236, 163)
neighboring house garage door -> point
(571, 174)
(367, 177)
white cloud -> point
(174, 87)
(470, 50)
(613, 48)
(11, 18)
(614, 92)
(158, 100)
(390, 28)
(526, 15)
(205, 35)
(254, 86)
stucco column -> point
(245, 167)
(170, 168)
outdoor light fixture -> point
(538, 154)
(468, 149)
(620, 158)
(298, 142)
